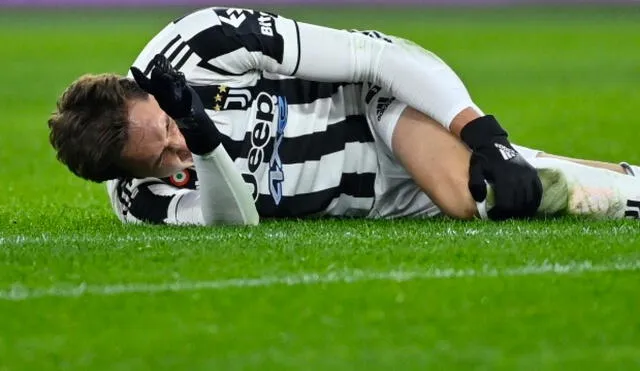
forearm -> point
(224, 197)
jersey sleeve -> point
(222, 197)
(410, 73)
(152, 201)
(227, 43)
(246, 40)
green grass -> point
(558, 294)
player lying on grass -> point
(238, 114)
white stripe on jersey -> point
(194, 23)
(201, 76)
(235, 62)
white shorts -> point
(396, 193)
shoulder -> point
(149, 199)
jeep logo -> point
(260, 137)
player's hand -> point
(181, 102)
(169, 87)
(516, 185)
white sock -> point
(555, 197)
(586, 190)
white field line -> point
(20, 293)
(159, 236)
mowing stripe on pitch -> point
(158, 236)
(21, 293)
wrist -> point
(200, 134)
(462, 119)
(482, 131)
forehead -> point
(144, 111)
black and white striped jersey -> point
(303, 146)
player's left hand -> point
(516, 185)
(180, 101)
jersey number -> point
(235, 17)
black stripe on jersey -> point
(148, 206)
(183, 60)
(312, 147)
(299, 91)
(147, 70)
(175, 53)
(223, 39)
(352, 184)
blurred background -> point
(562, 76)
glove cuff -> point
(198, 129)
(483, 130)
(200, 133)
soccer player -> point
(229, 115)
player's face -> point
(155, 147)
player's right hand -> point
(516, 185)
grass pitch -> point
(78, 290)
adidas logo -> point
(383, 104)
(506, 152)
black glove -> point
(516, 185)
(182, 103)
